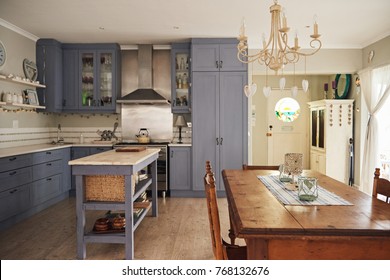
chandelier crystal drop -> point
(276, 52)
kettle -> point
(143, 136)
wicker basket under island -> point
(106, 181)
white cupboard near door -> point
(331, 122)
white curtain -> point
(376, 90)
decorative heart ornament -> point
(250, 90)
(294, 91)
(267, 91)
(282, 83)
(305, 85)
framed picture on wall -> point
(31, 97)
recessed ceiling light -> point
(176, 27)
(101, 27)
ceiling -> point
(342, 23)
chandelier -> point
(276, 52)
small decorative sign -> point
(30, 70)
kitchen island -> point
(114, 163)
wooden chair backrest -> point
(381, 186)
(260, 167)
(212, 207)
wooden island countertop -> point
(114, 158)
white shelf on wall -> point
(21, 82)
(15, 106)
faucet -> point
(59, 138)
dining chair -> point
(221, 249)
(260, 167)
(381, 186)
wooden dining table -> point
(273, 230)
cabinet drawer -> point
(45, 189)
(14, 178)
(47, 169)
(14, 162)
(14, 201)
(47, 156)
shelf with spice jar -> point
(181, 80)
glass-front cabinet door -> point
(181, 82)
(88, 62)
(318, 128)
(105, 82)
(97, 83)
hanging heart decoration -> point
(267, 91)
(294, 91)
(250, 90)
(305, 85)
(282, 83)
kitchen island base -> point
(112, 163)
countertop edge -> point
(28, 149)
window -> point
(287, 109)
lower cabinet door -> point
(14, 201)
(45, 189)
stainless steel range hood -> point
(145, 94)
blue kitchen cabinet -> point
(219, 109)
(32, 182)
(219, 124)
(180, 78)
(70, 78)
(49, 65)
(215, 55)
(15, 177)
(92, 77)
(180, 171)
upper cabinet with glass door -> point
(181, 83)
(96, 77)
(99, 80)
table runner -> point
(288, 197)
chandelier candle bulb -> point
(284, 19)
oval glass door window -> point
(287, 109)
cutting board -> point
(131, 149)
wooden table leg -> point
(257, 248)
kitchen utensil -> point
(143, 136)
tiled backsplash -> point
(13, 137)
(186, 135)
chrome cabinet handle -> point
(217, 140)
(221, 141)
(171, 154)
(216, 64)
(220, 64)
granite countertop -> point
(20, 150)
(116, 158)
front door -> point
(287, 137)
